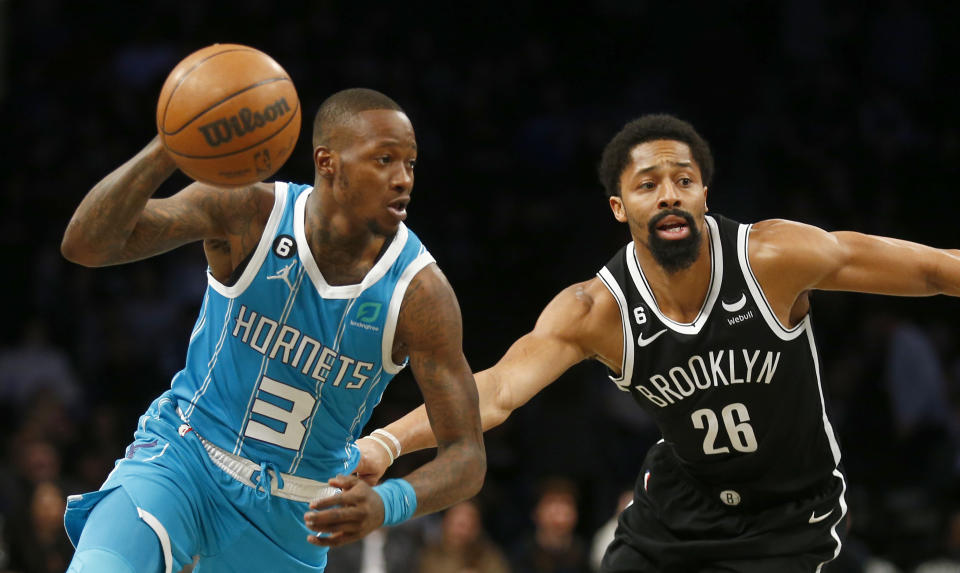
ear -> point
(705, 207)
(324, 161)
(616, 205)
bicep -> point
(793, 257)
(430, 328)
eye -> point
(685, 181)
(647, 186)
(384, 159)
(413, 163)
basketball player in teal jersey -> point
(706, 323)
(317, 296)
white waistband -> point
(295, 488)
(241, 469)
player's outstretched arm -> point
(574, 326)
(118, 222)
(807, 258)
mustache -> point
(664, 214)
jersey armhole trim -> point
(626, 368)
(743, 255)
(280, 193)
(393, 310)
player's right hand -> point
(346, 516)
(374, 461)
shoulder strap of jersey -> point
(615, 277)
(281, 199)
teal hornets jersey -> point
(284, 368)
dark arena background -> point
(839, 114)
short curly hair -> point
(646, 128)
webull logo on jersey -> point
(294, 348)
(367, 314)
(713, 370)
(735, 307)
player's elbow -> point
(80, 247)
(75, 250)
(476, 470)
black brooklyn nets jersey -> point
(736, 395)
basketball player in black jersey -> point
(706, 323)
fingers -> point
(344, 482)
(345, 516)
(335, 539)
(325, 502)
(335, 519)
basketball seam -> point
(183, 78)
(251, 146)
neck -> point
(679, 294)
(343, 247)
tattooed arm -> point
(429, 330)
(117, 221)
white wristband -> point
(391, 437)
(385, 446)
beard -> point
(674, 254)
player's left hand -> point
(346, 516)
(373, 461)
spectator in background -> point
(463, 546)
(553, 546)
(604, 535)
(36, 364)
(901, 440)
(37, 541)
(385, 550)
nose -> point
(402, 180)
(669, 196)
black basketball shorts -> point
(673, 526)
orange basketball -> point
(229, 115)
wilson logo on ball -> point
(245, 121)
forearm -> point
(454, 475)
(414, 433)
(102, 225)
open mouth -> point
(673, 227)
(398, 207)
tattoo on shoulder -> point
(429, 315)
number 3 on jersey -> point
(736, 422)
(291, 419)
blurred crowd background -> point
(838, 114)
